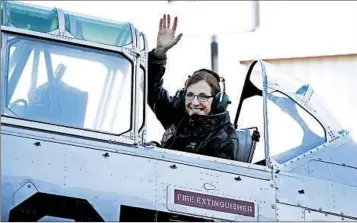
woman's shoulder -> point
(227, 131)
(231, 132)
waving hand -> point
(166, 36)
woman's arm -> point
(167, 109)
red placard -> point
(215, 203)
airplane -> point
(74, 147)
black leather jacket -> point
(211, 135)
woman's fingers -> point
(168, 21)
(174, 26)
(165, 22)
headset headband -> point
(215, 75)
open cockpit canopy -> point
(295, 119)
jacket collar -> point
(206, 123)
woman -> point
(191, 118)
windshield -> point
(28, 17)
(298, 119)
(94, 30)
(45, 20)
(67, 85)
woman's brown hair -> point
(208, 77)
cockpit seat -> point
(57, 102)
(247, 139)
(60, 104)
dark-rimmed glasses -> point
(200, 97)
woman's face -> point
(198, 99)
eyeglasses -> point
(200, 97)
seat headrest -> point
(245, 145)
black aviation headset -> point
(220, 100)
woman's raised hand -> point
(166, 36)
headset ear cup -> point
(220, 103)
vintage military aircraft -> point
(73, 144)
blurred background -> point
(314, 41)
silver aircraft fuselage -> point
(73, 136)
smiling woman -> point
(196, 119)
